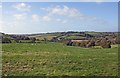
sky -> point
(39, 17)
(60, 0)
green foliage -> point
(54, 59)
(6, 40)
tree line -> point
(103, 42)
(16, 38)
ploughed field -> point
(57, 59)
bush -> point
(117, 40)
(6, 40)
(69, 43)
(105, 43)
(75, 44)
(90, 44)
(97, 43)
(83, 44)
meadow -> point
(57, 59)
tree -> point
(33, 39)
(69, 43)
(90, 44)
(77, 44)
(97, 42)
(105, 43)
(6, 40)
(83, 44)
(117, 40)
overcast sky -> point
(36, 17)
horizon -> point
(44, 17)
(52, 32)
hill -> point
(5, 38)
(56, 59)
(71, 35)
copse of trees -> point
(97, 42)
(5, 40)
(90, 43)
(117, 40)
(16, 39)
(83, 43)
(20, 37)
(69, 43)
(33, 39)
(88, 39)
(104, 43)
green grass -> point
(56, 59)
(72, 37)
(41, 37)
(92, 33)
(25, 41)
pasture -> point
(57, 59)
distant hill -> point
(56, 36)
(71, 35)
(5, 38)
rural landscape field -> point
(48, 58)
(59, 39)
(54, 59)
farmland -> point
(57, 59)
(59, 39)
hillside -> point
(52, 57)
(5, 38)
(56, 59)
(56, 36)
(73, 35)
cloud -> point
(22, 7)
(64, 21)
(20, 16)
(46, 18)
(5, 25)
(61, 21)
(35, 17)
(0, 6)
(14, 26)
(58, 20)
(1, 25)
(65, 11)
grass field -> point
(56, 59)
(41, 37)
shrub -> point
(97, 42)
(90, 44)
(105, 43)
(117, 40)
(73, 43)
(83, 44)
(6, 40)
(77, 44)
(69, 43)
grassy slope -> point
(55, 59)
(50, 36)
(41, 37)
